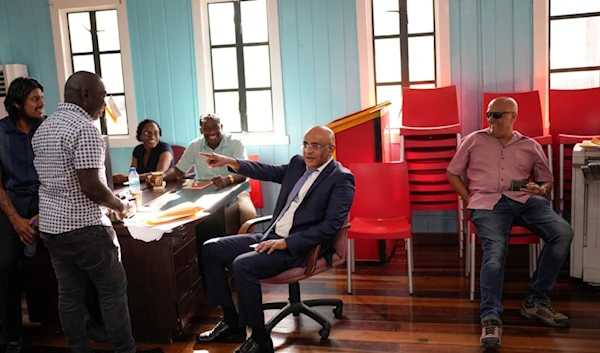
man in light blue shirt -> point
(214, 140)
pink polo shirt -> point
(491, 167)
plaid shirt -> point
(66, 141)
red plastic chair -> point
(177, 153)
(574, 117)
(255, 188)
(427, 111)
(381, 209)
(530, 121)
(518, 236)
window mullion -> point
(96, 53)
(403, 13)
(239, 46)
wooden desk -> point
(164, 276)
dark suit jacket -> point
(323, 210)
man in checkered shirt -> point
(69, 158)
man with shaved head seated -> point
(69, 159)
(313, 204)
(498, 163)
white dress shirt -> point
(283, 226)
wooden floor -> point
(381, 317)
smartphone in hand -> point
(517, 185)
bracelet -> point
(231, 180)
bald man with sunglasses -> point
(498, 163)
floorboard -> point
(380, 316)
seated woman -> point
(152, 155)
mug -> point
(157, 179)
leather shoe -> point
(15, 347)
(250, 346)
(223, 333)
(153, 350)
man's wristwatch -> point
(231, 180)
(544, 190)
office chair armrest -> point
(254, 221)
(311, 260)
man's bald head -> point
(86, 90)
(506, 104)
(319, 144)
(502, 113)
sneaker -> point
(491, 334)
(545, 313)
(15, 347)
(96, 332)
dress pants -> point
(249, 267)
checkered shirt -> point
(66, 141)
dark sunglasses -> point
(496, 115)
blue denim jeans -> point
(493, 227)
(91, 253)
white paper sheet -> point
(146, 233)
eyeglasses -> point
(150, 133)
(313, 146)
(496, 115)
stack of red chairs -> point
(429, 137)
(574, 117)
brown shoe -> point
(491, 334)
(544, 313)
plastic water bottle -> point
(134, 180)
(30, 250)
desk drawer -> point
(184, 256)
(186, 278)
(188, 305)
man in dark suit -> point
(313, 204)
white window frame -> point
(62, 50)
(365, 48)
(204, 72)
(541, 55)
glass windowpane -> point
(575, 80)
(387, 60)
(575, 43)
(260, 111)
(227, 105)
(421, 58)
(108, 30)
(386, 19)
(224, 63)
(571, 7)
(420, 16)
(254, 21)
(394, 95)
(84, 63)
(257, 66)
(221, 23)
(120, 127)
(79, 32)
(112, 73)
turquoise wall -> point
(490, 46)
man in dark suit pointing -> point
(313, 204)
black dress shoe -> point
(223, 333)
(250, 346)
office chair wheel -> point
(337, 311)
(324, 333)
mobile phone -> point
(517, 185)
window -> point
(574, 44)
(406, 45)
(94, 38)
(240, 70)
